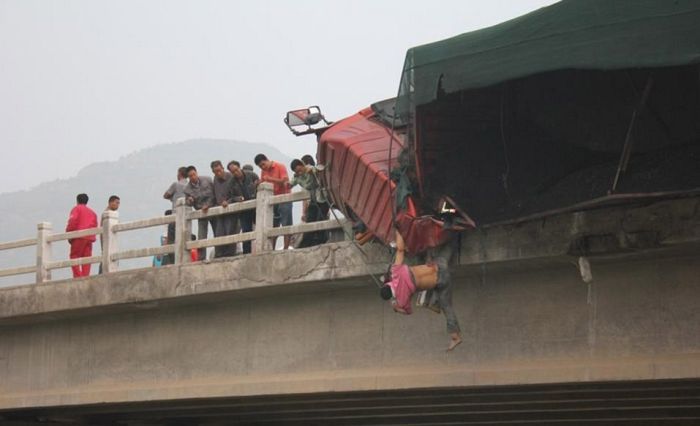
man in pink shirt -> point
(81, 217)
(276, 173)
(405, 280)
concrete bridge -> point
(590, 316)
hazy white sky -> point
(86, 81)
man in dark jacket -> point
(244, 183)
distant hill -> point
(139, 179)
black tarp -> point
(532, 115)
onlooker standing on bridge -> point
(276, 173)
(244, 182)
(199, 193)
(309, 161)
(177, 188)
(81, 217)
(317, 208)
(112, 205)
(226, 224)
(169, 259)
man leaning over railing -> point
(226, 224)
(177, 188)
(318, 207)
(276, 173)
(245, 183)
(199, 193)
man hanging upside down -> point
(406, 280)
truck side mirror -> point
(305, 121)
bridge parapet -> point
(329, 266)
(110, 231)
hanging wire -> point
(348, 235)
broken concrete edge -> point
(598, 233)
(326, 266)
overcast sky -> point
(87, 81)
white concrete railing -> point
(182, 217)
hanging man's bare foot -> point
(455, 340)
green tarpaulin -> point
(572, 34)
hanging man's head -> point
(385, 292)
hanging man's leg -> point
(444, 292)
(441, 256)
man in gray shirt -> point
(199, 193)
(177, 189)
(223, 195)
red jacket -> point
(82, 217)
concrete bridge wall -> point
(311, 321)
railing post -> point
(263, 217)
(109, 240)
(182, 232)
(43, 252)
